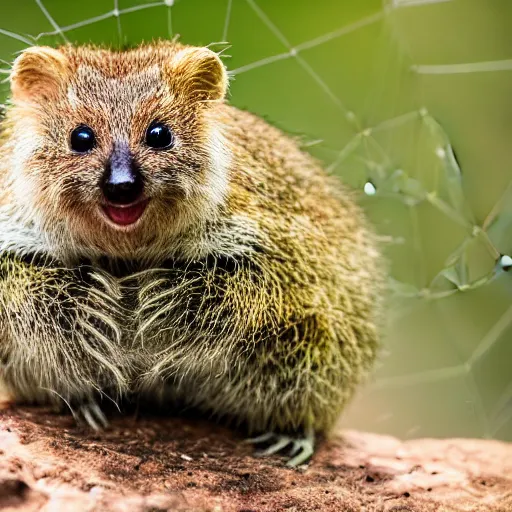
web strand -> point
(58, 30)
(227, 20)
(470, 67)
(118, 20)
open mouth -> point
(125, 215)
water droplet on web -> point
(505, 262)
(369, 189)
(441, 153)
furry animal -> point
(156, 241)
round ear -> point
(39, 72)
(198, 72)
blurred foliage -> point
(407, 100)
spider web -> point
(374, 89)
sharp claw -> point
(264, 438)
(89, 418)
(301, 448)
(296, 448)
(304, 449)
(281, 443)
(76, 416)
(99, 415)
(92, 415)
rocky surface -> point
(172, 464)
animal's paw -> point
(91, 415)
(299, 449)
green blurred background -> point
(384, 92)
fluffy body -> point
(250, 287)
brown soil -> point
(171, 464)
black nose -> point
(122, 182)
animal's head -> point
(118, 152)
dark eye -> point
(82, 139)
(159, 136)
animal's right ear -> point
(199, 73)
(38, 73)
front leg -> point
(60, 339)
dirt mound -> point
(171, 464)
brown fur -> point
(253, 279)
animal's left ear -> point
(198, 72)
(39, 73)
